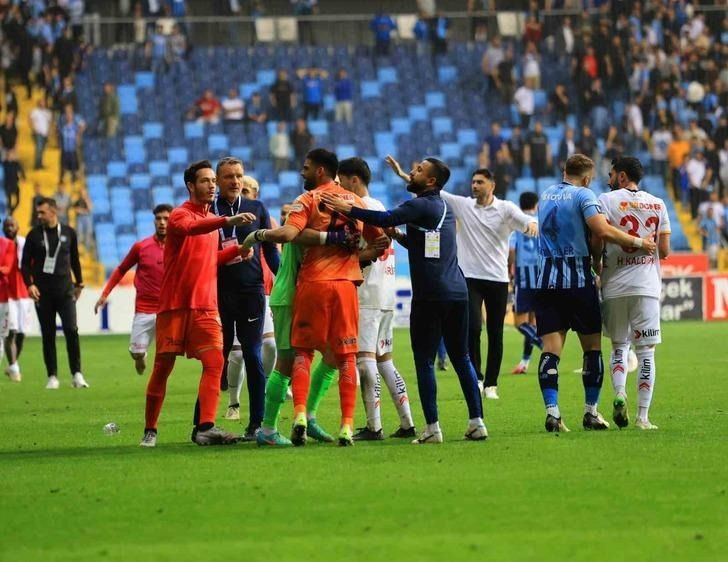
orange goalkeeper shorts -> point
(187, 332)
(326, 315)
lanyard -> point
(45, 242)
(234, 212)
(439, 224)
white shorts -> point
(375, 330)
(4, 314)
(632, 319)
(143, 329)
(268, 321)
(19, 314)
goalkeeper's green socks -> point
(275, 395)
(321, 378)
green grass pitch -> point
(70, 492)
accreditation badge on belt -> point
(231, 241)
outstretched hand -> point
(336, 203)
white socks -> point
(433, 427)
(268, 353)
(398, 390)
(235, 375)
(14, 368)
(553, 411)
(646, 373)
(371, 391)
(618, 364)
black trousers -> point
(244, 314)
(495, 296)
(58, 300)
(430, 323)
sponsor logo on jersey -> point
(557, 197)
(651, 333)
(639, 205)
(347, 341)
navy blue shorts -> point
(560, 310)
(525, 300)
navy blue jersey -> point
(433, 279)
(564, 236)
(527, 260)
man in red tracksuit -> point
(188, 322)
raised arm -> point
(130, 260)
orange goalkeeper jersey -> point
(328, 263)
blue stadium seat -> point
(266, 77)
(540, 99)
(127, 100)
(378, 189)
(370, 89)
(450, 151)
(447, 73)
(217, 142)
(525, 184)
(159, 168)
(116, 169)
(162, 195)
(441, 126)
(144, 229)
(153, 130)
(144, 80)
(387, 75)
(289, 179)
(243, 153)
(544, 183)
(272, 192)
(96, 182)
(345, 151)
(194, 130)
(318, 127)
(417, 113)
(247, 89)
(435, 100)
(401, 126)
(140, 181)
(178, 155)
(467, 137)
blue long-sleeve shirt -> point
(433, 279)
(245, 276)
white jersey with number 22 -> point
(630, 271)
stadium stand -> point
(406, 104)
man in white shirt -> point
(280, 147)
(631, 285)
(699, 176)
(485, 224)
(40, 124)
(233, 107)
(376, 318)
(525, 103)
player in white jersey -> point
(376, 315)
(631, 285)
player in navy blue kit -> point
(568, 215)
(523, 261)
(439, 293)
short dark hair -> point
(162, 208)
(47, 201)
(440, 171)
(528, 200)
(577, 165)
(324, 158)
(631, 167)
(192, 169)
(482, 172)
(355, 167)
